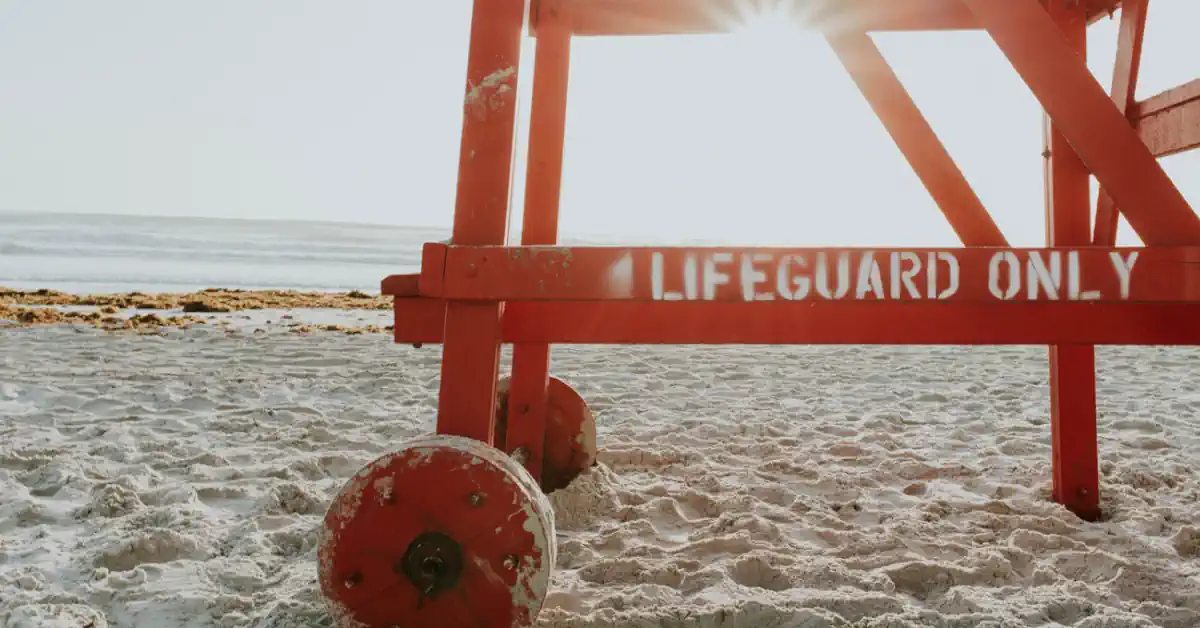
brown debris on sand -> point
(30, 316)
(41, 307)
(299, 328)
(209, 300)
(205, 306)
(151, 323)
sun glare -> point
(768, 23)
(772, 30)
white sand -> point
(179, 481)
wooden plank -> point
(837, 322)
(1169, 123)
(679, 17)
(527, 405)
(471, 356)
(977, 274)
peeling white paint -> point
(533, 574)
(492, 80)
(489, 93)
(383, 490)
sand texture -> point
(179, 478)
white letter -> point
(931, 276)
(657, 280)
(1123, 267)
(784, 280)
(1014, 275)
(656, 276)
(690, 277)
(1049, 279)
(952, 262)
(752, 276)
(843, 280)
(905, 279)
(1074, 278)
(869, 277)
(714, 277)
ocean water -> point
(102, 253)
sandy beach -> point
(178, 478)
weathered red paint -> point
(450, 486)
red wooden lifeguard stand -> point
(451, 530)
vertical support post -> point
(527, 401)
(1124, 90)
(471, 349)
(1072, 367)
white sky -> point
(351, 110)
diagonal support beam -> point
(916, 140)
(1124, 87)
(1085, 115)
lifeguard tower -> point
(455, 530)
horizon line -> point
(308, 221)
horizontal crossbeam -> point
(420, 320)
(986, 275)
(677, 17)
(1169, 123)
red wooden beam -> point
(471, 357)
(916, 140)
(921, 323)
(1123, 93)
(677, 17)
(401, 285)
(527, 401)
(984, 275)
(1073, 438)
(1085, 115)
(1169, 123)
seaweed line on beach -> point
(154, 311)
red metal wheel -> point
(444, 532)
(570, 444)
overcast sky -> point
(351, 110)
